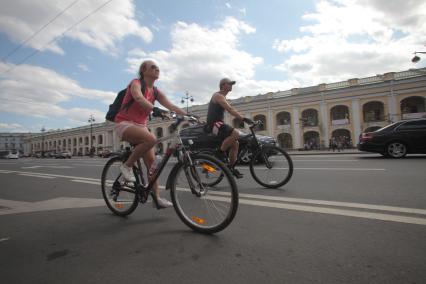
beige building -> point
(296, 118)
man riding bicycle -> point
(215, 122)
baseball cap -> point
(226, 81)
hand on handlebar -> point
(248, 120)
(157, 112)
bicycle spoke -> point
(215, 207)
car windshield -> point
(387, 127)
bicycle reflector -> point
(208, 168)
(198, 220)
(118, 205)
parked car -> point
(105, 153)
(12, 156)
(397, 139)
(201, 140)
(63, 155)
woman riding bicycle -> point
(131, 121)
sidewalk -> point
(325, 152)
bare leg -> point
(142, 138)
(148, 159)
(231, 142)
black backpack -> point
(116, 106)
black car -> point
(396, 140)
(201, 140)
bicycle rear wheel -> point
(204, 208)
(271, 167)
(120, 198)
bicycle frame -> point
(175, 146)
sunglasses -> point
(155, 67)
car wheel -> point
(396, 150)
(246, 156)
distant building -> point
(296, 118)
(12, 142)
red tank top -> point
(135, 113)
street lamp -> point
(42, 141)
(416, 58)
(91, 120)
(187, 98)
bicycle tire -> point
(211, 212)
(281, 162)
(113, 186)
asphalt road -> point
(341, 219)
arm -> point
(164, 101)
(137, 95)
(224, 103)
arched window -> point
(339, 113)
(262, 118)
(311, 140)
(342, 138)
(413, 107)
(86, 140)
(283, 118)
(373, 111)
(285, 140)
(310, 117)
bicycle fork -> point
(187, 167)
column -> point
(325, 123)
(296, 128)
(356, 119)
(392, 108)
(270, 122)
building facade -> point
(297, 118)
(12, 143)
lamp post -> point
(187, 98)
(416, 58)
(42, 141)
(91, 120)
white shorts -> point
(122, 126)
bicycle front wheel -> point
(271, 167)
(204, 208)
(120, 198)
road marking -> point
(329, 203)
(341, 212)
(341, 169)
(15, 207)
(325, 160)
(314, 169)
(306, 205)
(87, 181)
(51, 167)
(37, 176)
(5, 172)
(4, 239)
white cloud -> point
(200, 56)
(83, 67)
(12, 127)
(354, 38)
(20, 19)
(39, 92)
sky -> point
(65, 60)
